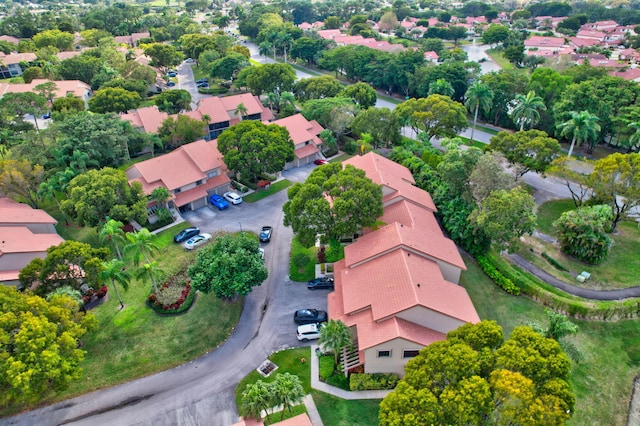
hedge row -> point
(497, 277)
(375, 381)
(554, 262)
(560, 301)
(326, 367)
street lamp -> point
(240, 227)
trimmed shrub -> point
(553, 262)
(338, 380)
(326, 367)
(582, 233)
(497, 277)
(375, 381)
(301, 260)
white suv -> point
(309, 332)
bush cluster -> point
(326, 367)
(173, 296)
(375, 381)
(497, 277)
(554, 262)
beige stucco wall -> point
(449, 272)
(17, 261)
(430, 319)
(395, 363)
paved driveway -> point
(201, 392)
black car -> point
(265, 234)
(185, 234)
(309, 316)
(322, 282)
(202, 80)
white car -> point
(261, 251)
(196, 241)
(309, 332)
(232, 197)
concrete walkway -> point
(332, 390)
(576, 291)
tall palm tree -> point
(161, 195)
(334, 336)
(112, 232)
(114, 270)
(287, 391)
(151, 270)
(241, 110)
(526, 109)
(478, 96)
(264, 48)
(635, 137)
(141, 244)
(580, 127)
(557, 328)
(441, 87)
(257, 397)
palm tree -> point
(141, 244)
(558, 328)
(257, 397)
(241, 110)
(287, 391)
(581, 126)
(264, 48)
(273, 99)
(441, 87)
(478, 96)
(333, 336)
(526, 108)
(112, 231)
(635, 137)
(114, 270)
(160, 195)
(151, 270)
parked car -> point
(232, 197)
(265, 234)
(202, 80)
(320, 162)
(172, 73)
(321, 283)
(309, 332)
(197, 241)
(185, 234)
(171, 83)
(189, 61)
(219, 202)
(203, 85)
(261, 251)
(309, 316)
(47, 116)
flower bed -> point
(174, 296)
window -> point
(200, 182)
(384, 354)
(212, 174)
(177, 191)
(410, 353)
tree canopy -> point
(531, 150)
(231, 265)
(334, 202)
(98, 194)
(268, 78)
(253, 148)
(475, 377)
(39, 351)
(436, 115)
(114, 99)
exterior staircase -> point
(349, 357)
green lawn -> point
(336, 411)
(549, 212)
(264, 193)
(307, 272)
(603, 380)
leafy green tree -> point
(479, 96)
(287, 391)
(56, 38)
(141, 244)
(21, 180)
(82, 67)
(495, 34)
(40, 345)
(474, 377)
(436, 115)
(582, 233)
(334, 335)
(333, 202)
(525, 109)
(230, 266)
(267, 78)
(32, 73)
(181, 130)
(113, 233)
(308, 49)
(441, 87)
(132, 70)
(173, 101)
(22, 103)
(256, 398)
(558, 327)
(489, 175)
(114, 99)
(506, 215)
(335, 114)
(140, 87)
(581, 127)
(229, 65)
(253, 148)
(67, 105)
(98, 194)
(317, 88)
(381, 123)
(114, 271)
(616, 180)
(530, 150)
(505, 85)
(457, 165)
(67, 291)
(362, 93)
(162, 55)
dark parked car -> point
(172, 73)
(203, 85)
(265, 234)
(185, 234)
(202, 80)
(219, 202)
(171, 83)
(47, 116)
(309, 316)
(322, 282)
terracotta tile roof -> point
(64, 87)
(630, 74)
(306, 151)
(16, 58)
(66, 55)
(411, 193)
(427, 242)
(187, 164)
(397, 281)
(582, 42)
(544, 42)
(10, 39)
(300, 129)
(148, 118)
(20, 239)
(14, 213)
(200, 191)
(299, 420)
(214, 108)
(409, 214)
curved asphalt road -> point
(201, 392)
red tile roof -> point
(20, 239)
(546, 42)
(300, 129)
(63, 87)
(148, 118)
(409, 214)
(306, 151)
(16, 58)
(14, 213)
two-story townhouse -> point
(304, 134)
(10, 64)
